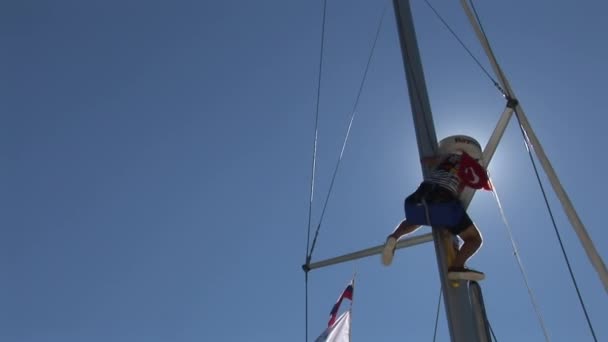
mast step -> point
(466, 274)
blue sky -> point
(156, 167)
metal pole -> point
(483, 325)
(409, 242)
(459, 311)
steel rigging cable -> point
(310, 247)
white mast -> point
(461, 312)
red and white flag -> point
(348, 294)
(472, 174)
(338, 327)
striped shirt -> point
(446, 174)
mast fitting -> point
(511, 102)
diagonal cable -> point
(437, 315)
(352, 117)
(529, 147)
(314, 159)
(520, 264)
(461, 42)
(316, 132)
(492, 332)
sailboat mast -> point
(460, 312)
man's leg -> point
(403, 228)
(472, 240)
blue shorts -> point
(445, 209)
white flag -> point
(339, 331)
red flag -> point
(472, 174)
(348, 294)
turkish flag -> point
(472, 174)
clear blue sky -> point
(156, 167)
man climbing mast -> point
(436, 202)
